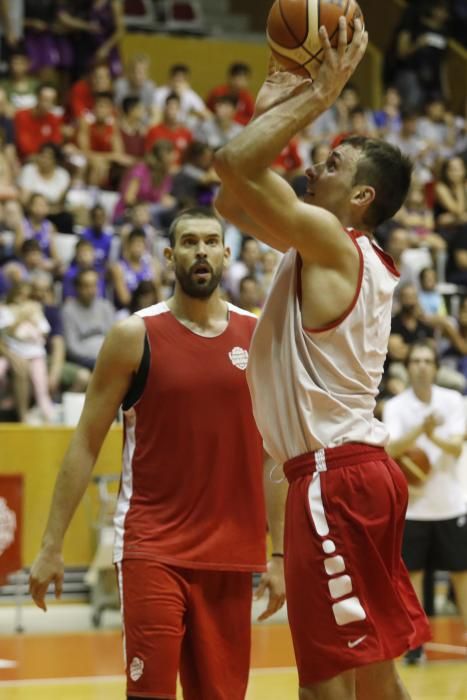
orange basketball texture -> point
(293, 26)
(415, 465)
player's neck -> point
(201, 315)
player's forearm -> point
(70, 486)
(258, 145)
(276, 494)
(452, 446)
(399, 446)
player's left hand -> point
(273, 581)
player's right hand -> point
(48, 568)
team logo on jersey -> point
(7, 525)
(136, 669)
(239, 357)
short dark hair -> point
(171, 97)
(103, 95)
(227, 99)
(29, 246)
(239, 68)
(129, 103)
(423, 272)
(136, 233)
(385, 168)
(193, 213)
(81, 273)
(425, 345)
(179, 68)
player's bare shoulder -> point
(124, 343)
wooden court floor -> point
(88, 666)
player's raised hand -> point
(48, 568)
(339, 63)
(273, 582)
(279, 86)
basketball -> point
(293, 31)
(415, 465)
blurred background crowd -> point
(96, 160)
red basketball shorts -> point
(350, 600)
(176, 620)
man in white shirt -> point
(433, 419)
(192, 106)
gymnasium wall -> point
(36, 452)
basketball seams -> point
(300, 44)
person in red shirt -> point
(100, 140)
(39, 125)
(238, 77)
(82, 93)
(289, 163)
(190, 520)
(170, 128)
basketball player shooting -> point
(316, 361)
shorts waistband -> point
(332, 458)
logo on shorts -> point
(462, 521)
(239, 358)
(358, 641)
(136, 669)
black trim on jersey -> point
(138, 383)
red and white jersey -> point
(191, 492)
(317, 388)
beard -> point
(197, 288)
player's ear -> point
(169, 255)
(227, 256)
(363, 196)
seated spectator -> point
(7, 128)
(249, 295)
(150, 181)
(437, 128)
(37, 225)
(451, 198)
(146, 294)
(8, 189)
(11, 222)
(269, 263)
(197, 181)
(407, 326)
(84, 259)
(237, 85)
(388, 119)
(133, 129)
(39, 125)
(397, 243)
(412, 145)
(86, 320)
(171, 128)
(45, 176)
(431, 301)
(99, 237)
(139, 216)
(222, 127)
(191, 104)
(136, 84)
(31, 260)
(24, 332)
(82, 93)
(418, 219)
(20, 86)
(15, 366)
(134, 267)
(248, 265)
(100, 140)
(456, 268)
(63, 376)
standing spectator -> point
(133, 128)
(222, 127)
(99, 237)
(12, 19)
(136, 83)
(38, 125)
(171, 128)
(150, 181)
(86, 320)
(134, 267)
(45, 176)
(84, 259)
(107, 17)
(39, 39)
(433, 419)
(21, 87)
(237, 85)
(192, 106)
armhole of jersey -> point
(138, 383)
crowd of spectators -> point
(96, 160)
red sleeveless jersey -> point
(192, 486)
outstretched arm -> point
(244, 164)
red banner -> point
(11, 504)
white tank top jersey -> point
(315, 389)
